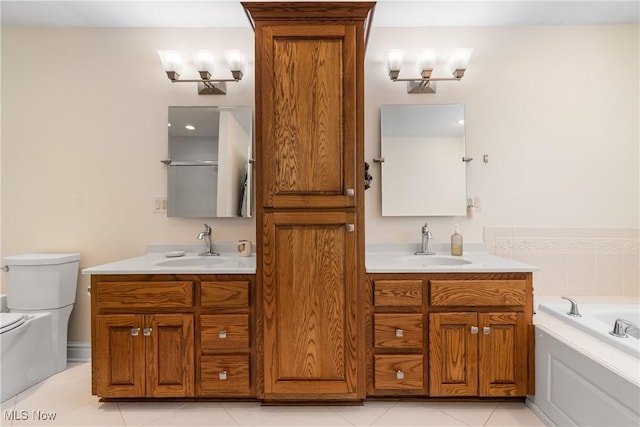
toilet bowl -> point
(41, 290)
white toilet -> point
(41, 291)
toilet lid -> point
(9, 321)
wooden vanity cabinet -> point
(142, 337)
(398, 338)
(479, 344)
(309, 168)
(172, 336)
(477, 335)
(225, 339)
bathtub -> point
(585, 376)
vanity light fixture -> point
(173, 62)
(458, 63)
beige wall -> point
(84, 115)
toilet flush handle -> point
(5, 268)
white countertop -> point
(401, 258)
(380, 258)
(229, 262)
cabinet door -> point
(119, 356)
(453, 354)
(307, 103)
(169, 355)
(310, 306)
(503, 354)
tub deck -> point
(580, 378)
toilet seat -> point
(10, 321)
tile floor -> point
(67, 400)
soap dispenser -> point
(456, 242)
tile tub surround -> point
(574, 261)
(68, 395)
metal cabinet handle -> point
(350, 227)
(146, 332)
(222, 334)
(474, 330)
(222, 376)
(486, 330)
(399, 374)
(135, 332)
(399, 333)
(350, 192)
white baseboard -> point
(78, 351)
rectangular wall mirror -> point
(210, 152)
(423, 172)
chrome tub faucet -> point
(622, 328)
(574, 307)
(426, 236)
(208, 245)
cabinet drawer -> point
(398, 372)
(224, 294)
(478, 292)
(132, 295)
(397, 293)
(227, 375)
(398, 331)
(224, 332)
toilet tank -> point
(41, 281)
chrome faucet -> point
(574, 307)
(623, 328)
(208, 246)
(426, 236)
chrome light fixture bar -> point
(458, 63)
(173, 62)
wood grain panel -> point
(453, 355)
(132, 295)
(310, 303)
(309, 117)
(503, 354)
(235, 336)
(226, 375)
(118, 357)
(478, 292)
(170, 355)
(224, 294)
(312, 298)
(308, 140)
(387, 376)
(386, 331)
(397, 293)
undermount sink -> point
(429, 260)
(193, 261)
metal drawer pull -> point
(350, 192)
(135, 332)
(399, 374)
(222, 376)
(222, 334)
(350, 227)
(146, 332)
(399, 333)
(486, 330)
(474, 330)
